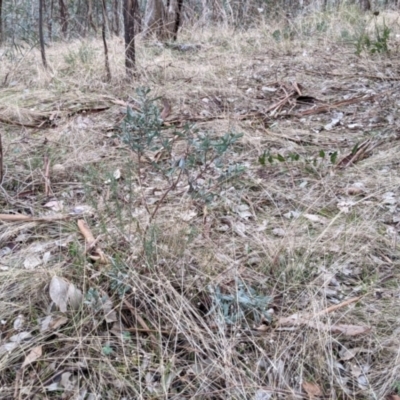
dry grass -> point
(306, 233)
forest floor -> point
(231, 234)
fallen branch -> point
(360, 153)
(307, 320)
(327, 107)
(27, 218)
(97, 253)
(47, 188)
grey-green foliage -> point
(119, 276)
(141, 130)
(95, 300)
(202, 153)
(292, 157)
(245, 306)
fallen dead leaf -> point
(350, 330)
(355, 190)
(52, 323)
(57, 322)
(347, 354)
(312, 389)
(59, 292)
(392, 397)
(18, 322)
(32, 261)
(117, 174)
(262, 394)
(35, 353)
(316, 218)
(75, 297)
(55, 205)
(166, 111)
(19, 337)
(107, 305)
(8, 347)
(262, 328)
(279, 232)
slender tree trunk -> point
(64, 18)
(50, 20)
(365, 5)
(116, 26)
(129, 28)
(103, 33)
(138, 17)
(41, 37)
(1, 22)
(154, 19)
(90, 16)
(178, 19)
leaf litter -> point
(285, 222)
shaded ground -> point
(195, 303)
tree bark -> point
(103, 33)
(41, 36)
(154, 19)
(90, 16)
(1, 22)
(50, 20)
(365, 5)
(178, 19)
(64, 18)
(129, 28)
(116, 27)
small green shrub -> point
(244, 307)
(202, 160)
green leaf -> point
(354, 149)
(277, 35)
(280, 158)
(322, 154)
(107, 350)
(262, 159)
(333, 157)
(294, 156)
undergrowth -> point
(242, 246)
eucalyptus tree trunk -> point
(154, 19)
(63, 18)
(365, 5)
(130, 8)
(50, 20)
(90, 16)
(103, 34)
(41, 36)
(115, 25)
(178, 19)
(1, 22)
